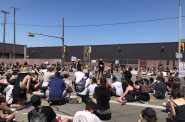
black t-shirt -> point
(124, 86)
(103, 95)
(47, 110)
(127, 74)
(101, 65)
(18, 93)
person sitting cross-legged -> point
(40, 113)
(56, 91)
(102, 95)
(87, 115)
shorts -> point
(22, 85)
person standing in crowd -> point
(111, 69)
(87, 115)
(102, 95)
(79, 65)
(100, 67)
(148, 114)
(127, 73)
(46, 112)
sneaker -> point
(167, 110)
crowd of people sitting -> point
(92, 87)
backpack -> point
(38, 116)
(80, 86)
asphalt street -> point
(125, 113)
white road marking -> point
(133, 104)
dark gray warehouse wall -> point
(143, 51)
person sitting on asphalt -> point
(175, 94)
(19, 92)
(92, 87)
(82, 88)
(87, 115)
(68, 83)
(117, 86)
(102, 95)
(148, 114)
(128, 95)
(142, 91)
(40, 113)
(151, 85)
(160, 88)
(177, 107)
(3, 106)
(8, 91)
(124, 83)
(57, 90)
(46, 77)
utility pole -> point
(179, 33)
(14, 28)
(4, 32)
(63, 55)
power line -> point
(99, 25)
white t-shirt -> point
(8, 91)
(47, 76)
(85, 116)
(91, 88)
(78, 76)
(118, 86)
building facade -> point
(143, 51)
(7, 51)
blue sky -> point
(92, 12)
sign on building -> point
(181, 69)
(73, 58)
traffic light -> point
(64, 49)
(30, 34)
(90, 49)
(182, 46)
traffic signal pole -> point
(63, 52)
(4, 33)
(179, 33)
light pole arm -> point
(40, 34)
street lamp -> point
(179, 33)
(30, 34)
